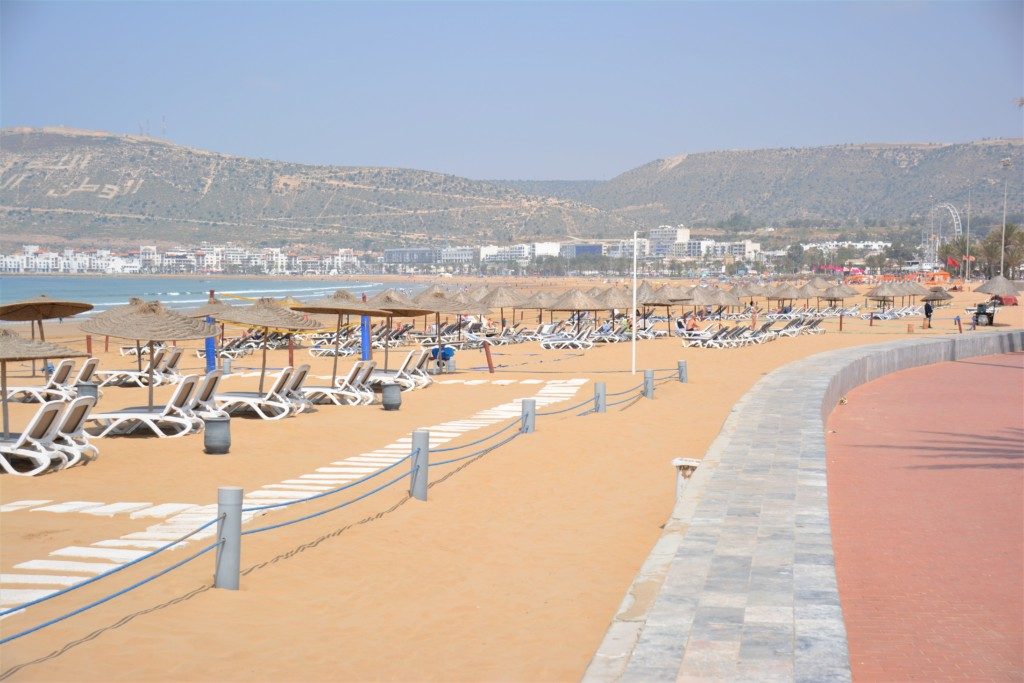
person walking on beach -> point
(928, 314)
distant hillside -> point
(574, 190)
(87, 186)
(837, 185)
(58, 184)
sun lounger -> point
(270, 405)
(71, 438)
(399, 376)
(34, 446)
(56, 387)
(172, 420)
(347, 390)
(134, 377)
(168, 369)
(293, 391)
(203, 404)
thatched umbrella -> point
(835, 293)
(884, 292)
(213, 308)
(15, 348)
(540, 301)
(40, 308)
(149, 321)
(940, 295)
(784, 292)
(342, 303)
(576, 301)
(269, 315)
(668, 296)
(819, 283)
(402, 306)
(502, 298)
(998, 286)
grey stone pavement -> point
(742, 585)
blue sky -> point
(514, 90)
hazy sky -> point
(514, 90)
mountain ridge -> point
(77, 184)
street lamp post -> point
(1002, 242)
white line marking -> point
(40, 579)
(62, 566)
(163, 510)
(115, 508)
(112, 554)
(21, 505)
(10, 597)
(72, 506)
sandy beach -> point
(511, 570)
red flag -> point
(950, 261)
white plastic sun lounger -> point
(172, 420)
(134, 377)
(35, 444)
(271, 405)
(56, 387)
(71, 438)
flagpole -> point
(633, 344)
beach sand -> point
(511, 571)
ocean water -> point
(105, 292)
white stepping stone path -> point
(74, 564)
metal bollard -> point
(681, 368)
(959, 325)
(229, 556)
(648, 383)
(685, 467)
(529, 421)
(225, 366)
(600, 397)
(419, 464)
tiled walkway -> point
(926, 494)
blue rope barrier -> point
(626, 391)
(624, 400)
(110, 597)
(566, 410)
(349, 485)
(474, 454)
(330, 509)
(514, 423)
(109, 572)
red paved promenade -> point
(926, 496)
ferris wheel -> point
(944, 225)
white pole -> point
(1002, 244)
(967, 245)
(633, 343)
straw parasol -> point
(502, 298)
(268, 314)
(15, 348)
(213, 308)
(998, 286)
(40, 308)
(784, 292)
(402, 306)
(575, 301)
(835, 293)
(819, 283)
(940, 295)
(540, 301)
(150, 321)
(342, 303)
(884, 292)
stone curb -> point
(741, 585)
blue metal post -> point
(364, 335)
(211, 350)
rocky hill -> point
(848, 184)
(87, 186)
(59, 184)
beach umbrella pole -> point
(337, 346)
(387, 345)
(3, 381)
(150, 374)
(263, 365)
